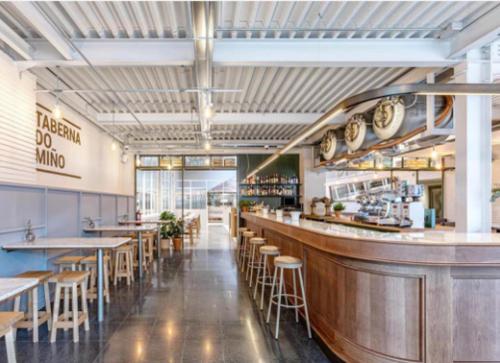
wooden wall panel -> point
(366, 306)
(476, 323)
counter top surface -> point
(68, 242)
(153, 221)
(426, 237)
(11, 286)
(122, 228)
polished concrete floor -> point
(193, 307)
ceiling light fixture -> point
(207, 145)
(209, 111)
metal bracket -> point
(430, 104)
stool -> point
(123, 264)
(239, 241)
(7, 321)
(90, 264)
(282, 263)
(34, 318)
(147, 248)
(244, 252)
(67, 280)
(255, 242)
(69, 263)
(265, 280)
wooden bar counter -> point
(430, 296)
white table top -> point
(11, 286)
(122, 228)
(68, 242)
(153, 221)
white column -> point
(473, 147)
(313, 182)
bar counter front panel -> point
(438, 302)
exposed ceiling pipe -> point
(92, 67)
(452, 89)
(303, 29)
(203, 20)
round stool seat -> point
(257, 241)
(269, 250)
(248, 234)
(242, 229)
(287, 262)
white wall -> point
(313, 182)
(99, 168)
(17, 125)
(98, 165)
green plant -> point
(245, 203)
(177, 228)
(338, 207)
(170, 217)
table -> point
(126, 229)
(12, 286)
(158, 222)
(77, 243)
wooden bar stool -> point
(239, 242)
(123, 264)
(70, 280)
(294, 264)
(245, 251)
(69, 263)
(34, 318)
(7, 321)
(265, 279)
(254, 260)
(89, 264)
(147, 248)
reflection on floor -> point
(194, 307)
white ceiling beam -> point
(37, 19)
(333, 52)
(219, 118)
(116, 52)
(250, 52)
(481, 32)
(13, 40)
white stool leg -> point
(271, 297)
(34, 300)
(279, 304)
(251, 264)
(85, 308)
(257, 278)
(242, 254)
(66, 305)
(57, 301)
(262, 291)
(9, 345)
(17, 307)
(46, 293)
(295, 297)
(305, 304)
(74, 298)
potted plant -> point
(176, 229)
(338, 208)
(245, 205)
(165, 235)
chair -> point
(123, 264)
(89, 264)
(7, 321)
(253, 260)
(262, 278)
(65, 281)
(69, 263)
(34, 318)
(245, 250)
(294, 264)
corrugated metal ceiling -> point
(253, 19)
